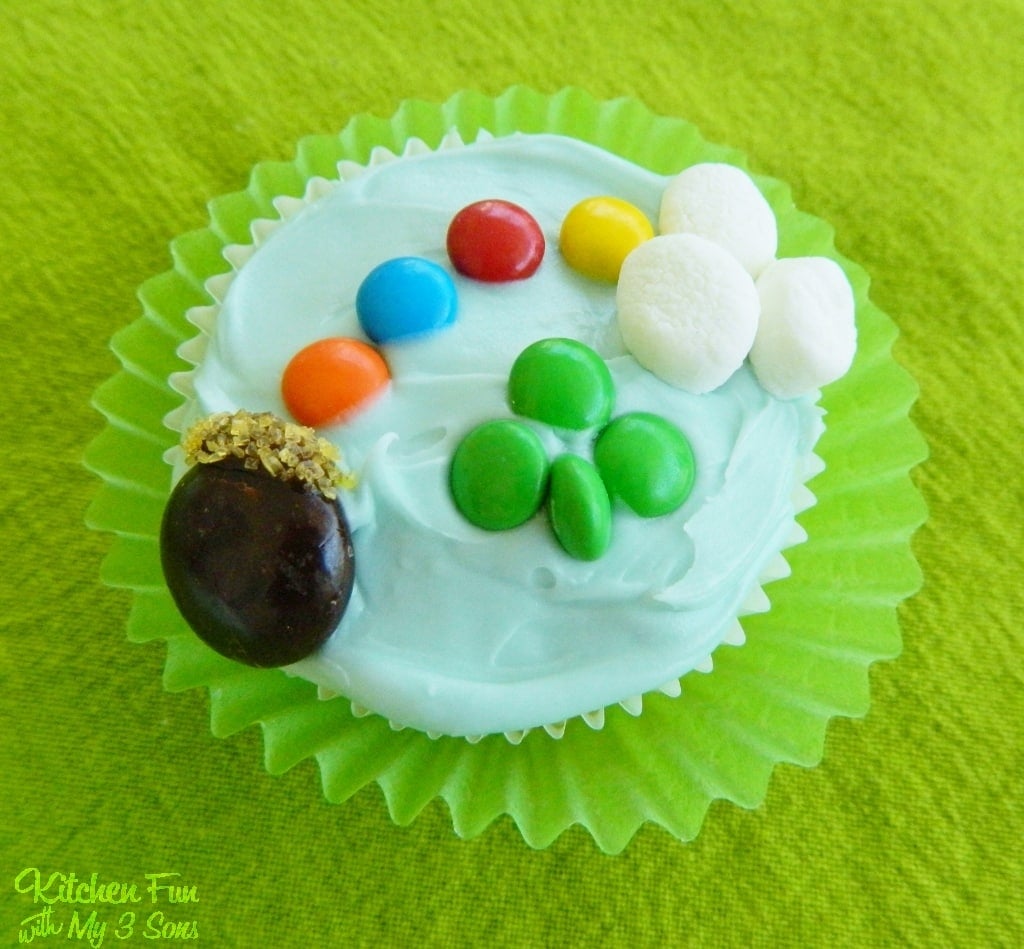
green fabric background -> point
(900, 123)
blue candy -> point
(404, 298)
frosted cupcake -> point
(556, 622)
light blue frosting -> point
(461, 631)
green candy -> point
(563, 383)
(499, 475)
(579, 508)
(647, 462)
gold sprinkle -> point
(285, 450)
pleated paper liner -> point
(805, 661)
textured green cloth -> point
(900, 123)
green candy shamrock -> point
(500, 474)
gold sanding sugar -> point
(286, 451)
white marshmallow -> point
(722, 203)
(807, 334)
(687, 310)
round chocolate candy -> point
(563, 383)
(495, 241)
(333, 379)
(579, 508)
(599, 233)
(405, 298)
(499, 474)
(646, 461)
(260, 568)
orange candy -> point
(332, 379)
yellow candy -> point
(598, 233)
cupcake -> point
(580, 380)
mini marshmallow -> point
(807, 334)
(687, 310)
(721, 203)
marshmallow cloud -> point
(696, 301)
(687, 310)
(806, 336)
(721, 203)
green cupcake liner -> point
(805, 661)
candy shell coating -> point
(404, 298)
(579, 508)
(563, 383)
(329, 381)
(598, 233)
(495, 241)
(499, 474)
(647, 462)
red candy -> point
(495, 241)
(332, 379)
